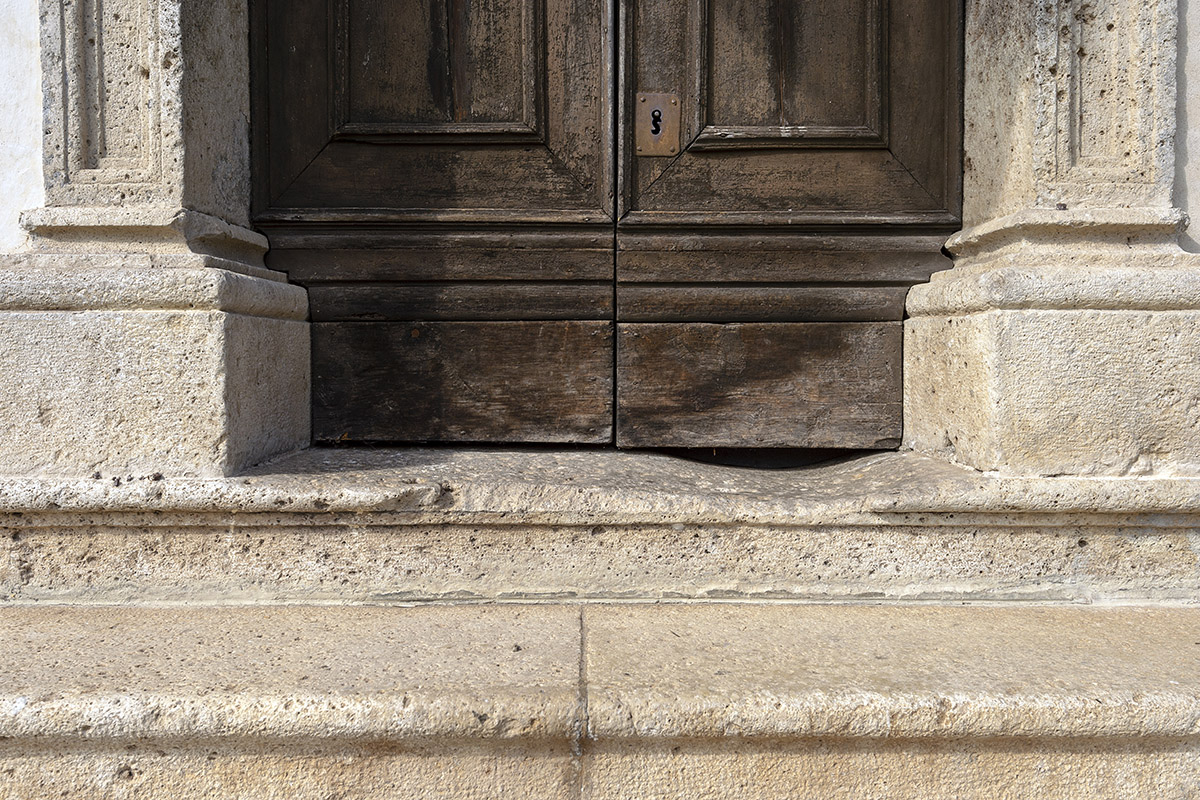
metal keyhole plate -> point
(656, 124)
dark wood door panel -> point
(759, 385)
(310, 257)
(417, 109)
(436, 183)
(685, 256)
(461, 300)
(463, 381)
(757, 302)
(488, 259)
(822, 112)
(777, 66)
(787, 187)
(416, 66)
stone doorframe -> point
(143, 335)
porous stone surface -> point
(290, 673)
(1061, 343)
(182, 392)
(1068, 104)
(147, 105)
(861, 769)
(247, 769)
(802, 671)
(614, 701)
(1057, 392)
(99, 284)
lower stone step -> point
(600, 701)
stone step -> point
(359, 525)
(598, 701)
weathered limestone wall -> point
(20, 118)
(1187, 142)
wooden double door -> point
(681, 223)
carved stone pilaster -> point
(1064, 340)
(140, 332)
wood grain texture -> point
(451, 181)
(500, 259)
(489, 300)
(430, 105)
(782, 64)
(759, 385)
(687, 257)
(794, 112)
(716, 302)
(463, 382)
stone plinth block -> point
(1048, 392)
(161, 389)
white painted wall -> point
(20, 117)
(1187, 140)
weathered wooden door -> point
(668, 223)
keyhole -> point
(656, 122)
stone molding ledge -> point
(142, 230)
(1097, 226)
(44, 283)
(600, 701)
(1018, 282)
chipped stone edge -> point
(1172, 284)
(507, 713)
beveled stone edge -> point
(589, 710)
(1046, 225)
(646, 714)
(1163, 283)
(502, 713)
(513, 715)
(191, 226)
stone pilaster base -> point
(1048, 392)
(1065, 349)
(190, 372)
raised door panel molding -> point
(782, 74)
(422, 71)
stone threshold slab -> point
(595, 673)
(425, 485)
(438, 524)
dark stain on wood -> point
(759, 385)
(463, 381)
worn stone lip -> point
(500, 713)
(450, 485)
(905, 715)
(603, 672)
(515, 714)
